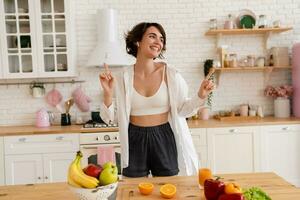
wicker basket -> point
(99, 193)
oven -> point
(90, 141)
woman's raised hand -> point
(206, 87)
(107, 80)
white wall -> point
(185, 22)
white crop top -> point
(155, 104)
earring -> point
(137, 44)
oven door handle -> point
(92, 146)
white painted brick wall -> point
(185, 22)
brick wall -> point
(185, 22)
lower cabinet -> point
(280, 151)
(37, 168)
(233, 149)
(2, 177)
(200, 143)
(39, 158)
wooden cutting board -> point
(131, 192)
(187, 186)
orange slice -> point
(168, 191)
(146, 188)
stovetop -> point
(93, 124)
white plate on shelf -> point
(243, 13)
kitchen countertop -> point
(212, 123)
(32, 130)
(273, 185)
(187, 186)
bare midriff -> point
(149, 120)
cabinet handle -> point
(46, 177)
(285, 128)
(22, 140)
(232, 130)
(39, 178)
(59, 138)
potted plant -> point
(282, 102)
(205, 111)
(207, 65)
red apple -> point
(93, 170)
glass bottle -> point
(229, 23)
(213, 24)
(271, 60)
(262, 21)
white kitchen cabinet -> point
(2, 177)
(39, 158)
(280, 151)
(23, 169)
(200, 143)
(233, 149)
(38, 39)
(56, 166)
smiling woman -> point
(153, 102)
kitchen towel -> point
(105, 154)
(53, 97)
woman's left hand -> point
(206, 87)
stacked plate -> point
(246, 19)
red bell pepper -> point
(213, 189)
(236, 196)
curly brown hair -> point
(136, 35)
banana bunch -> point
(76, 176)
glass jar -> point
(213, 24)
(262, 21)
(233, 60)
(226, 60)
(260, 62)
(251, 61)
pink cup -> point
(205, 114)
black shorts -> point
(151, 149)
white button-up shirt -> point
(181, 107)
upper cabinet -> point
(37, 40)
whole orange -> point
(232, 188)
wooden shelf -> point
(247, 31)
(266, 32)
(249, 69)
(267, 71)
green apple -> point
(108, 164)
(109, 174)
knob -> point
(285, 128)
(22, 139)
(39, 178)
(59, 138)
(106, 138)
(232, 130)
(46, 177)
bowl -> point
(62, 67)
(22, 10)
(98, 193)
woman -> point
(152, 105)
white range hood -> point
(108, 49)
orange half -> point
(168, 191)
(146, 188)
